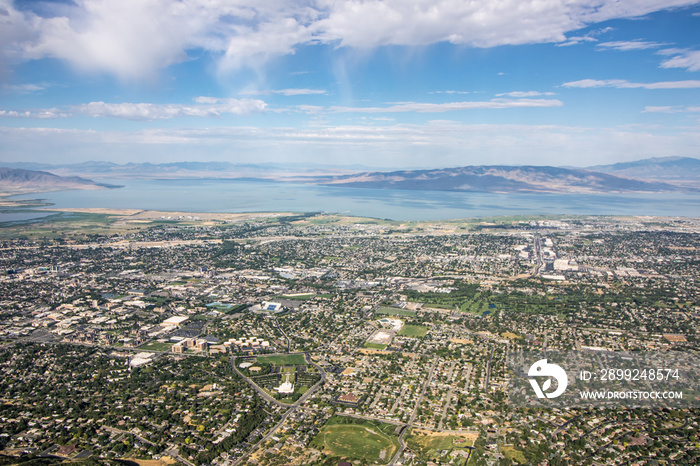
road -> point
(267, 397)
(277, 326)
(117, 431)
(487, 379)
(538, 256)
(294, 407)
(402, 444)
(172, 452)
(449, 395)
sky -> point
(378, 83)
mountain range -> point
(668, 174)
(501, 179)
(679, 170)
(17, 181)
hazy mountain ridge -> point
(133, 170)
(501, 178)
(17, 180)
(683, 170)
(669, 174)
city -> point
(277, 339)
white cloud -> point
(630, 45)
(575, 40)
(524, 94)
(438, 144)
(689, 60)
(422, 107)
(370, 23)
(449, 92)
(133, 39)
(216, 107)
(287, 92)
(671, 51)
(255, 46)
(590, 37)
(203, 107)
(623, 84)
(43, 114)
(28, 88)
(663, 109)
(671, 109)
(206, 107)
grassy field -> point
(416, 331)
(156, 346)
(283, 360)
(376, 346)
(430, 444)
(440, 306)
(514, 455)
(395, 311)
(357, 441)
(298, 297)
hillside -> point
(18, 181)
(498, 178)
(680, 170)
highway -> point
(538, 256)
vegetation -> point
(395, 311)
(358, 439)
(416, 331)
(283, 360)
(376, 346)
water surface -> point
(216, 195)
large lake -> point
(216, 195)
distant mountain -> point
(187, 169)
(16, 180)
(671, 174)
(499, 178)
(678, 169)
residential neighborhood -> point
(321, 339)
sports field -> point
(357, 441)
(377, 346)
(283, 360)
(156, 346)
(416, 331)
(395, 311)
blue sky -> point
(387, 84)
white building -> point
(287, 388)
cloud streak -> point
(689, 60)
(624, 46)
(524, 94)
(287, 92)
(213, 107)
(148, 112)
(421, 107)
(671, 109)
(437, 143)
(624, 84)
(203, 107)
(44, 114)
